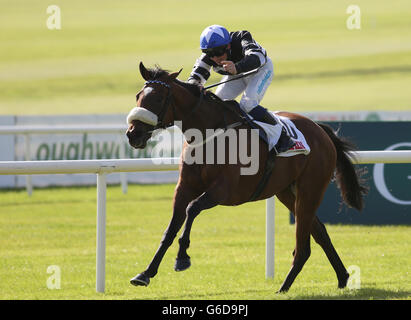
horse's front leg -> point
(181, 201)
(208, 199)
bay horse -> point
(299, 182)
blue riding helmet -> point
(214, 36)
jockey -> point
(232, 53)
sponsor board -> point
(359, 116)
(389, 198)
(82, 146)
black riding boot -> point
(284, 143)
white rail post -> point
(123, 175)
(269, 240)
(101, 232)
(29, 184)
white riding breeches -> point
(254, 87)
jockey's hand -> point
(229, 66)
(202, 89)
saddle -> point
(300, 147)
(269, 165)
(282, 144)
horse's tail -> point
(348, 178)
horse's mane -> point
(193, 88)
(209, 96)
(157, 72)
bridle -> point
(148, 117)
(157, 121)
(160, 124)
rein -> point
(243, 75)
(160, 124)
(167, 101)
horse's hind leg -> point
(320, 235)
(309, 192)
(303, 220)
(287, 197)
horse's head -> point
(152, 106)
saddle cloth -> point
(274, 132)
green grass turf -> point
(91, 64)
(57, 226)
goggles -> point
(215, 52)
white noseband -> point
(143, 115)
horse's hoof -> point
(182, 264)
(140, 280)
(283, 289)
(342, 282)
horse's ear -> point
(144, 72)
(174, 75)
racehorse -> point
(299, 182)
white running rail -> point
(104, 167)
(27, 130)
